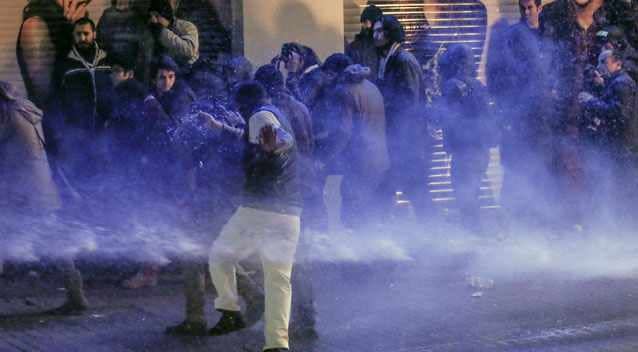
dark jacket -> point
(300, 121)
(60, 35)
(84, 88)
(362, 51)
(125, 34)
(401, 86)
(616, 113)
(467, 126)
(271, 178)
(570, 50)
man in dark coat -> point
(611, 125)
(568, 29)
(515, 78)
(468, 133)
(400, 80)
(79, 114)
(362, 50)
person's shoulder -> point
(34, 25)
(185, 25)
(406, 57)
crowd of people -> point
(239, 160)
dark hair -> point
(250, 94)
(308, 55)
(164, 62)
(536, 2)
(271, 78)
(84, 21)
(458, 59)
(371, 13)
(163, 8)
(127, 63)
(336, 63)
(393, 29)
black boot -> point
(68, 308)
(187, 328)
(229, 322)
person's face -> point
(294, 62)
(380, 38)
(164, 80)
(608, 65)
(83, 36)
(119, 74)
(367, 24)
(529, 12)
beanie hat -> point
(336, 63)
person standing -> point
(267, 222)
(362, 50)
(27, 185)
(400, 80)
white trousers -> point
(274, 237)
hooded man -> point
(362, 50)
(400, 80)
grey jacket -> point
(180, 41)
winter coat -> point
(84, 87)
(180, 41)
(570, 50)
(401, 86)
(616, 113)
(167, 158)
(367, 151)
(362, 51)
(300, 121)
(467, 126)
(26, 180)
(125, 34)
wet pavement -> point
(427, 304)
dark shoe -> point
(276, 350)
(229, 322)
(187, 329)
(68, 308)
(306, 332)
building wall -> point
(269, 23)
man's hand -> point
(268, 139)
(74, 9)
(209, 120)
(158, 19)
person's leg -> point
(278, 253)
(76, 301)
(195, 296)
(236, 242)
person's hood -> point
(356, 73)
(99, 56)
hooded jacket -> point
(367, 149)
(84, 87)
